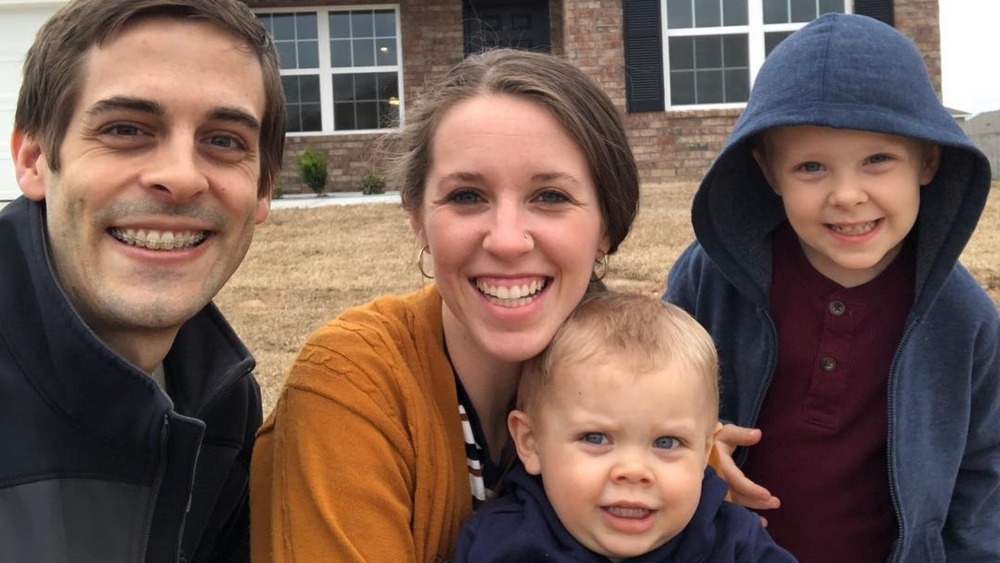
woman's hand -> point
(741, 489)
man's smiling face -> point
(155, 202)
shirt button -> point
(837, 308)
(827, 364)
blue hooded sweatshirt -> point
(522, 527)
(852, 72)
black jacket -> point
(97, 464)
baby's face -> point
(622, 455)
(851, 196)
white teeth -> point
(158, 240)
(854, 229)
(513, 296)
(629, 512)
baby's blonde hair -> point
(637, 332)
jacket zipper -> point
(889, 449)
(157, 483)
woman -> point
(518, 181)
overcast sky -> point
(970, 44)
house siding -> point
(671, 145)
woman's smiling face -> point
(513, 224)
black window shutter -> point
(643, 55)
(878, 9)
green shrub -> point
(312, 169)
(372, 183)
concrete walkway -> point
(337, 198)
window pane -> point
(682, 53)
(365, 86)
(283, 27)
(775, 11)
(343, 117)
(340, 25)
(734, 12)
(343, 87)
(367, 115)
(309, 88)
(709, 86)
(679, 14)
(735, 51)
(312, 117)
(385, 52)
(364, 52)
(682, 88)
(340, 53)
(831, 6)
(286, 54)
(308, 54)
(707, 13)
(737, 85)
(772, 39)
(305, 26)
(388, 85)
(362, 24)
(290, 84)
(385, 23)
(803, 10)
(708, 52)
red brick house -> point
(679, 69)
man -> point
(147, 137)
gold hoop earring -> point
(601, 267)
(420, 261)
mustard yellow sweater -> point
(362, 459)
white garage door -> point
(18, 22)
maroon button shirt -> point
(825, 417)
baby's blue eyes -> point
(666, 442)
(599, 439)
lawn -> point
(307, 265)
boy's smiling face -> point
(851, 196)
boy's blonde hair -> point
(636, 332)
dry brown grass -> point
(307, 265)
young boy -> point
(826, 269)
(615, 422)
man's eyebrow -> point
(119, 103)
(236, 115)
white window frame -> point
(326, 71)
(755, 30)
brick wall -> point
(669, 146)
